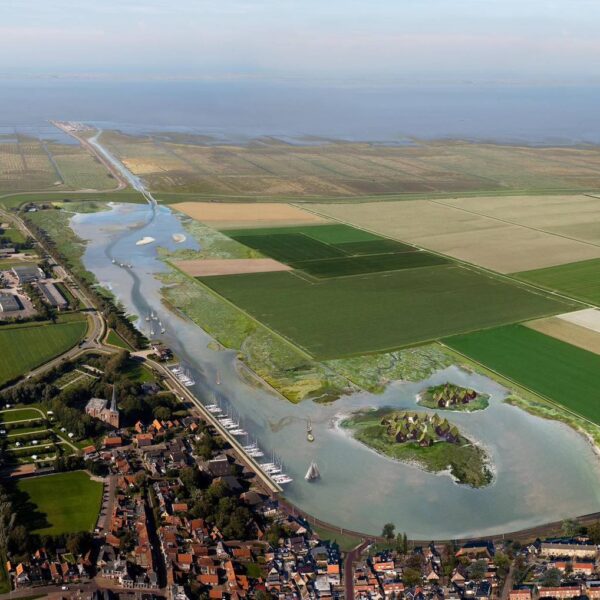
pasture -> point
(375, 312)
(558, 371)
(26, 346)
(579, 280)
(465, 235)
(60, 503)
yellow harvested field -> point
(229, 266)
(570, 333)
(247, 214)
(575, 216)
(462, 234)
(589, 318)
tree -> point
(477, 570)
(388, 531)
(551, 578)
(411, 577)
(594, 532)
(502, 562)
(570, 527)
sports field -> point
(334, 250)
(61, 503)
(579, 280)
(24, 347)
(563, 373)
(380, 311)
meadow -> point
(26, 346)
(560, 372)
(60, 503)
(579, 280)
(378, 312)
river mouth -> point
(543, 470)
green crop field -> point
(60, 503)
(334, 250)
(346, 316)
(24, 347)
(373, 263)
(580, 279)
(563, 373)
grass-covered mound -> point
(428, 441)
(453, 397)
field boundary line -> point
(518, 385)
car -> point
(64, 588)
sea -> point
(239, 110)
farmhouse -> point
(52, 295)
(27, 273)
(9, 303)
(99, 408)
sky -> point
(380, 40)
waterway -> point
(543, 469)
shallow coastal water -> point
(543, 470)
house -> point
(560, 593)
(144, 439)
(560, 550)
(520, 594)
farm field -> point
(574, 216)
(268, 167)
(474, 238)
(334, 250)
(558, 371)
(228, 266)
(568, 332)
(28, 162)
(380, 311)
(61, 503)
(579, 280)
(238, 214)
(26, 346)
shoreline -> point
(415, 463)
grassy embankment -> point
(60, 503)
(26, 346)
(466, 461)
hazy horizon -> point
(342, 40)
